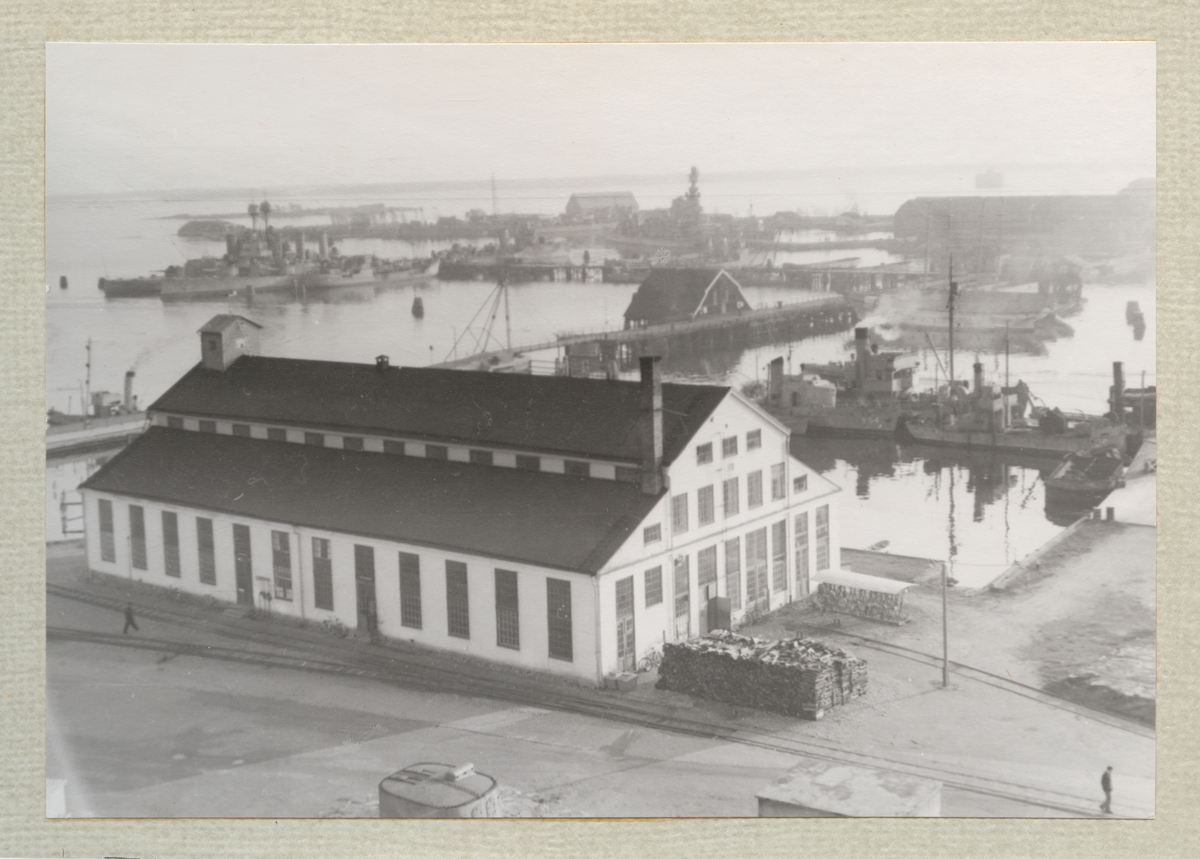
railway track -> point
(412, 671)
(997, 681)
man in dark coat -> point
(129, 621)
(1106, 784)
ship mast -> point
(953, 292)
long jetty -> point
(817, 315)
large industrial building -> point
(561, 524)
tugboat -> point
(107, 420)
(864, 398)
(991, 417)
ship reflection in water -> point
(982, 511)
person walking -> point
(1106, 784)
(129, 621)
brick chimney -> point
(652, 426)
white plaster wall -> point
(531, 583)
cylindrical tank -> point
(438, 790)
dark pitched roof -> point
(569, 523)
(671, 294)
(223, 320)
(549, 414)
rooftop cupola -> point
(225, 338)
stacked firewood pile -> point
(795, 676)
(873, 605)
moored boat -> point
(1085, 477)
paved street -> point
(146, 732)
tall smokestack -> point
(324, 244)
(775, 380)
(1117, 394)
(652, 426)
(299, 245)
(129, 407)
(862, 355)
(978, 366)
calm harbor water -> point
(981, 511)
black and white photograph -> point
(600, 430)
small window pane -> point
(108, 545)
(481, 457)
(753, 439)
(654, 590)
(705, 506)
(575, 468)
(207, 556)
(410, 590)
(391, 446)
(170, 527)
(352, 442)
(316, 439)
(137, 537)
(508, 621)
(778, 482)
(276, 434)
(706, 566)
(729, 446)
(800, 484)
(651, 534)
(754, 496)
(208, 426)
(679, 514)
(731, 496)
(458, 611)
(529, 463)
(704, 453)
(242, 430)
(822, 537)
(437, 451)
(175, 423)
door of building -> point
(364, 584)
(243, 571)
(683, 599)
(626, 645)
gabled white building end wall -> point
(655, 624)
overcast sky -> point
(143, 117)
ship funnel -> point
(1117, 393)
(862, 356)
(775, 381)
(128, 401)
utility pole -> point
(507, 328)
(495, 211)
(87, 385)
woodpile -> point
(888, 608)
(796, 676)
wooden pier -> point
(588, 352)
